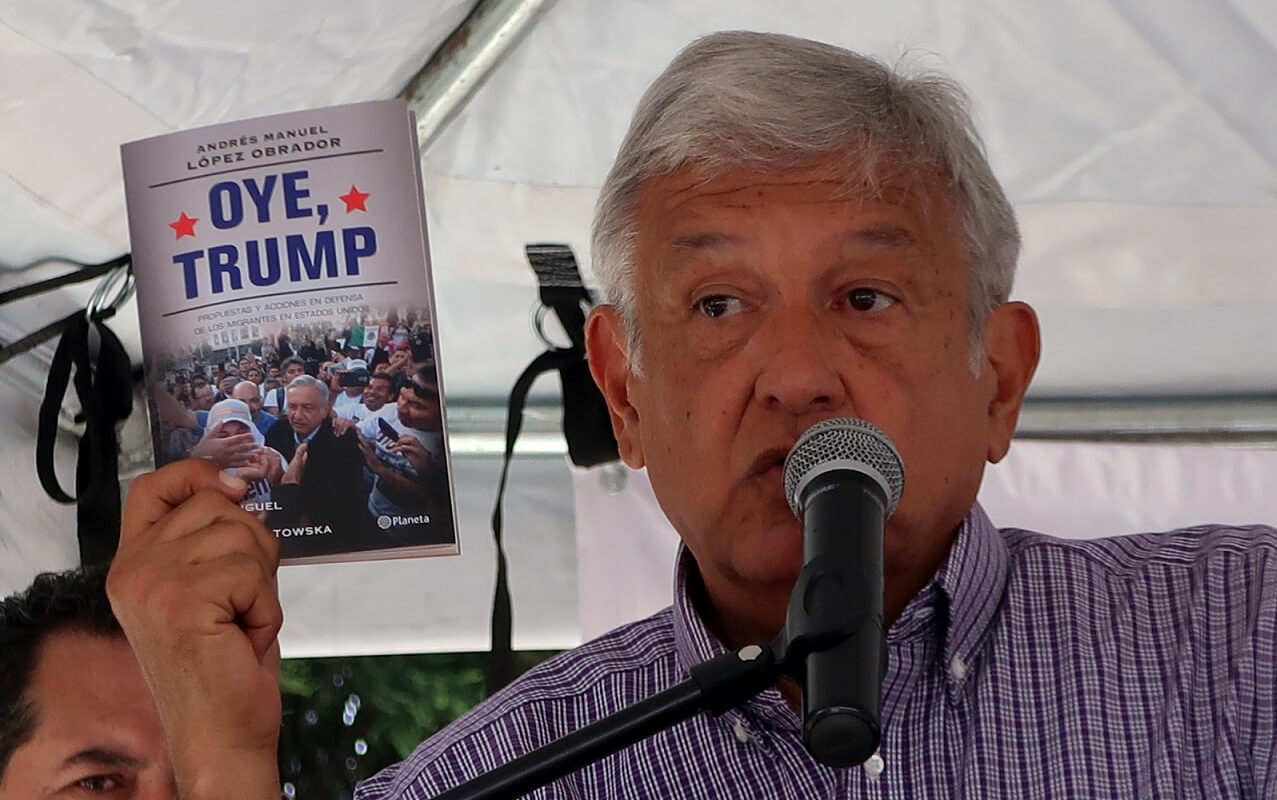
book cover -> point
(287, 319)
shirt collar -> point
(957, 605)
(974, 577)
(692, 639)
(960, 603)
(694, 643)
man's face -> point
(249, 394)
(419, 407)
(376, 394)
(767, 302)
(293, 370)
(329, 376)
(225, 384)
(306, 409)
(97, 733)
(202, 398)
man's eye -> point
(100, 783)
(719, 305)
(863, 299)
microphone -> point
(843, 478)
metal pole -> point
(466, 58)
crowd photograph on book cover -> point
(336, 425)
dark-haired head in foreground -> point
(76, 717)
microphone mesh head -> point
(854, 444)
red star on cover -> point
(184, 226)
(354, 199)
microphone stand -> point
(717, 686)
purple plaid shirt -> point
(1137, 666)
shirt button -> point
(742, 733)
(874, 766)
(958, 668)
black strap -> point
(104, 389)
(36, 338)
(501, 657)
(87, 273)
(586, 424)
(561, 288)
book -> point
(287, 320)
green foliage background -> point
(347, 718)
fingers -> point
(240, 445)
(203, 530)
(153, 495)
(223, 585)
(297, 467)
(204, 509)
(217, 584)
(253, 602)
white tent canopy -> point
(1136, 139)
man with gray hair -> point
(324, 483)
(307, 412)
(791, 233)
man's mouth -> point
(769, 464)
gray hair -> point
(757, 100)
(302, 381)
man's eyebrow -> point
(883, 235)
(692, 242)
(103, 756)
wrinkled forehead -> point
(663, 201)
(303, 394)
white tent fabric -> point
(1135, 138)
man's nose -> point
(800, 365)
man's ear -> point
(1012, 346)
(607, 349)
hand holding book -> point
(193, 586)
